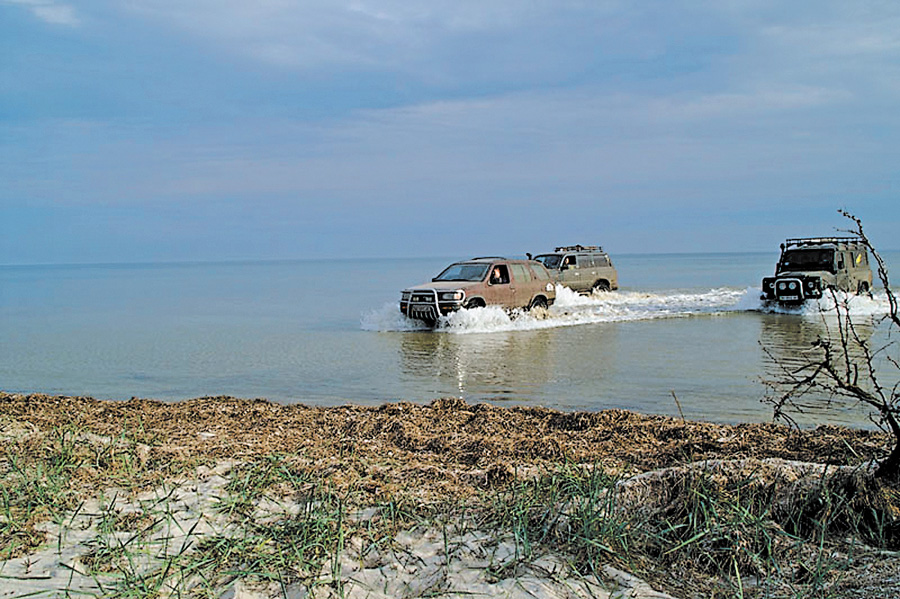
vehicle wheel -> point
(475, 303)
(538, 302)
(863, 288)
(601, 286)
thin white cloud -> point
(803, 53)
(48, 11)
(748, 104)
(872, 36)
(576, 138)
(323, 33)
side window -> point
(499, 275)
(520, 273)
(540, 274)
(568, 262)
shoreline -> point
(398, 474)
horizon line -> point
(177, 262)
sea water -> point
(686, 335)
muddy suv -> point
(809, 266)
(582, 268)
(477, 283)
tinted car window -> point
(549, 260)
(541, 274)
(463, 272)
(808, 260)
(520, 273)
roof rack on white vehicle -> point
(579, 248)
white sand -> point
(422, 562)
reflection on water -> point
(494, 365)
(636, 365)
(789, 341)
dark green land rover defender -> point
(809, 266)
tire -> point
(601, 285)
(475, 303)
(538, 302)
(862, 288)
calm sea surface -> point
(328, 332)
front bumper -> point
(791, 290)
(427, 304)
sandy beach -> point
(241, 498)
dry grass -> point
(450, 448)
(737, 517)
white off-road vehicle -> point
(581, 268)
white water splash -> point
(856, 305)
(389, 318)
(636, 305)
(572, 309)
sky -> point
(196, 130)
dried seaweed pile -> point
(445, 447)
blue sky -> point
(220, 130)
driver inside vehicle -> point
(498, 276)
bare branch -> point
(843, 363)
(893, 313)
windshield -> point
(807, 260)
(463, 271)
(549, 260)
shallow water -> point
(328, 332)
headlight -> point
(452, 295)
(782, 286)
(770, 285)
(792, 285)
(811, 284)
(404, 297)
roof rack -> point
(579, 248)
(800, 241)
(488, 258)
